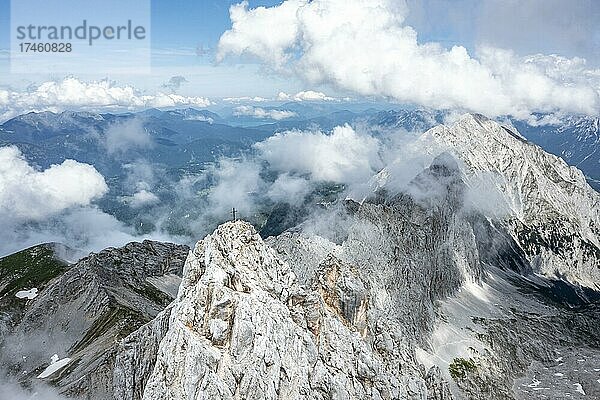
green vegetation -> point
(29, 268)
(459, 368)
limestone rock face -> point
(344, 293)
(243, 327)
(438, 388)
(135, 358)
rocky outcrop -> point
(82, 313)
(243, 327)
(136, 356)
(344, 293)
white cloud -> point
(237, 183)
(548, 119)
(4, 97)
(140, 175)
(72, 93)
(261, 113)
(367, 48)
(343, 156)
(126, 135)
(55, 205)
(255, 99)
(289, 189)
(82, 228)
(29, 194)
(161, 100)
(249, 32)
(306, 95)
(14, 391)
(201, 118)
(141, 199)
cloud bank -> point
(73, 94)
(344, 156)
(237, 183)
(261, 113)
(141, 199)
(244, 99)
(29, 194)
(286, 167)
(368, 49)
(305, 95)
(57, 205)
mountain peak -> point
(536, 188)
(236, 256)
(246, 328)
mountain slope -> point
(550, 210)
(171, 138)
(29, 270)
(84, 310)
(411, 286)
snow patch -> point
(27, 294)
(55, 365)
(579, 388)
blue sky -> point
(189, 23)
(179, 27)
(174, 22)
(465, 22)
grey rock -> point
(83, 313)
(135, 358)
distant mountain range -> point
(179, 143)
(576, 139)
(176, 138)
(191, 135)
